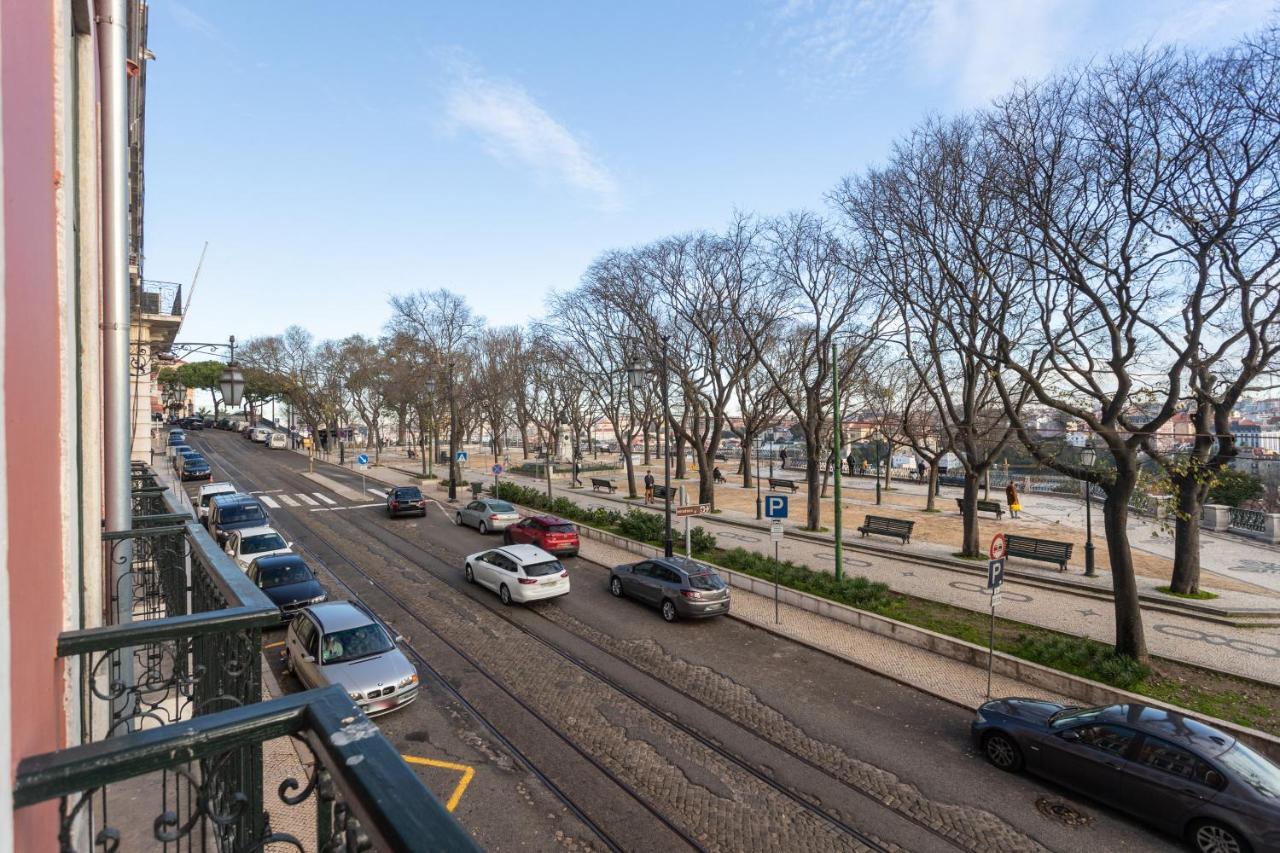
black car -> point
(1172, 771)
(678, 586)
(288, 581)
(232, 512)
(194, 467)
(402, 500)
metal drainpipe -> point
(117, 423)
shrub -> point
(700, 539)
(1232, 487)
(1082, 657)
(642, 525)
(854, 591)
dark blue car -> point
(288, 581)
(194, 467)
(1172, 771)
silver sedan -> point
(486, 514)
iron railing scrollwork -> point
(363, 796)
(1251, 520)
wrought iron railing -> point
(1250, 520)
(160, 297)
(362, 795)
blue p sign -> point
(775, 506)
(995, 574)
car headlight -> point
(319, 598)
(408, 679)
(354, 694)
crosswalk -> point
(301, 500)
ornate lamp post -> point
(1088, 456)
(430, 452)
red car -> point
(551, 534)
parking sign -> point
(995, 574)
(775, 506)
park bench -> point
(661, 492)
(1046, 550)
(984, 506)
(598, 483)
(898, 527)
(783, 483)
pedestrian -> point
(716, 476)
(866, 466)
(920, 466)
(1011, 495)
(783, 456)
(852, 463)
(648, 487)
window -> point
(241, 512)
(707, 581)
(289, 573)
(505, 563)
(475, 505)
(1110, 739)
(499, 506)
(542, 570)
(262, 542)
(306, 633)
(1176, 761)
(355, 643)
(1253, 769)
(563, 528)
(643, 570)
(668, 575)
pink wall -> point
(31, 381)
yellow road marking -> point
(467, 773)
(273, 645)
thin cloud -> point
(189, 19)
(518, 132)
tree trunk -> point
(1191, 496)
(745, 460)
(680, 472)
(524, 440)
(969, 545)
(630, 465)
(402, 414)
(647, 459)
(1130, 639)
(813, 515)
(931, 500)
(888, 462)
(706, 481)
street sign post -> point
(775, 506)
(497, 469)
(362, 462)
(775, 533)
(995, 581)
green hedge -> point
(855, 591)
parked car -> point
(207, 493)
(339, 642)
(234, 512)
(520, 573)
(181, 454)
(247, 543)
(193, 423)
(194, 467)
(1169, 770)
(259, 435)
(678, 586)
(550, 533)
(208, 423)
(288, 581)
(176, 438)
(405, 500)
(224, 423)
(485, 514)
(277, 441)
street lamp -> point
(637, 372)
(430, 454)
(756, 477)
(1087, 457)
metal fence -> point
(1249, 520)
(159, 297)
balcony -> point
(159, 299)
(174, 722)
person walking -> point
(1011, 495)
(783, 456)
(648, 487)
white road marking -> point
(270, 501)
(340, 508)
(378, 492)
(306, 500)
(325, 499)
(288, 501)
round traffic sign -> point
(998, 547)
(362, 459)
(497, 469)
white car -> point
(207, 491)
(259, 435)
(249, 543)
(520, 573)
(277, 440)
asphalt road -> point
(709, 734)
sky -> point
(333, 154)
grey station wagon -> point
(678, 586)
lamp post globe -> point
(1088, 456)
(430, 385)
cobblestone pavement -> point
(1251, 652)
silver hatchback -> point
(486, 514)
(342, 643)
(679, 587)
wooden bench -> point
(898, 527)
(660, 492)
(784, 483)
(598, 483)
(1039, 549)
(984, 506)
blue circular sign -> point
(497, 469)
(362, 459)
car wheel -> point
(1002, 752)
(615, 587)
(504, 594)
(468, 574)
(1209, 836)
(457, 519)
(669, 610)
(483, 527)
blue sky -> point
(332, 157)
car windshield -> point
(262, 542)
(245, 512)
(1072, 716)
(1253, 769)
(205, 498)
(501, 506)
(289, 573)
(541, 570)
(408, 494)
(354, 643)
(706, 581)
(561, 528)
